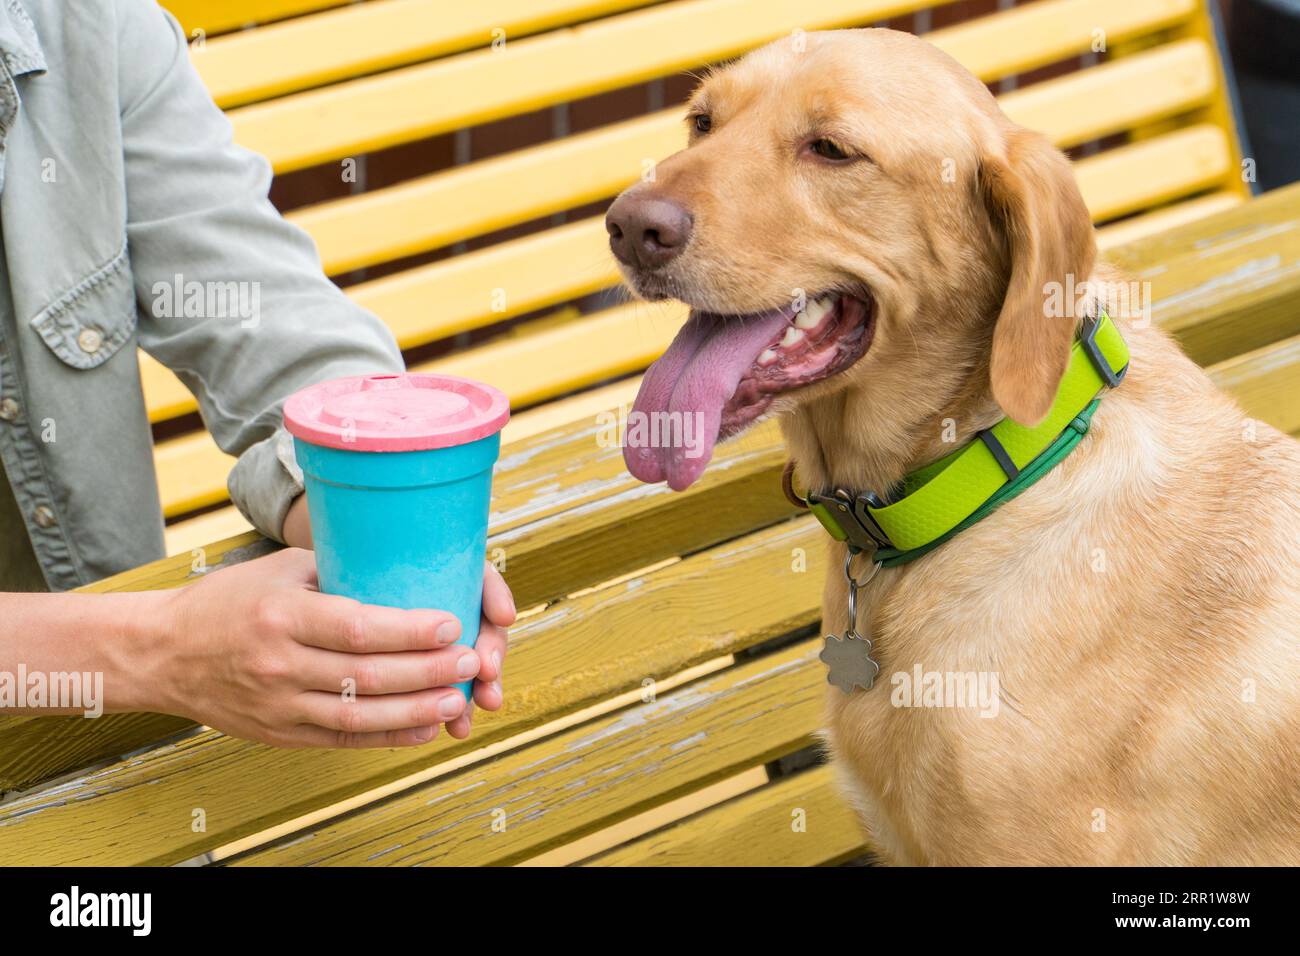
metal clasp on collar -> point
(844, 517)
(849, 520)
(1088, 339)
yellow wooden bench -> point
(334, 82)
(660, 707)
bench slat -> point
(1153, 171)
(233, 14)
(517, 277)
(473, 88)
(491, 285)
(365, 38)
(553, 361)
(1116, 234)
(1048, 31)
(755, 829)
(1115, 96)
(573, 654)
(432, 211)
(191, 472)
(580, 780)
(445, 207)
(1228, 284)
(1266, 382)
(33, 749)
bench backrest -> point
(485, 139)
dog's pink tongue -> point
(692, 382)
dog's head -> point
(853, 216)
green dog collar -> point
(931, 505)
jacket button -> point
(43, 517)
(90, 340)
(8, 409)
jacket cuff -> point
(265, 481)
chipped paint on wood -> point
(586, 777)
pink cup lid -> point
(407, 412)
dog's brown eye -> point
(703, 122)
(828, 149)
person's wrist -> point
(139, 678)
(296, 530)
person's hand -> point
(257, 652)
(498, 614)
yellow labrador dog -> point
(1139, 604)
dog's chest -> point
(936, 743)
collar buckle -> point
(849, 519)
(1088, 339)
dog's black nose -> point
(647, 232)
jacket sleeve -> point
(256, 318)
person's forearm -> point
(112, 642)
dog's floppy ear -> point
(1033, 199)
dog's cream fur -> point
(1139, 605)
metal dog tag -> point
(849, 663)
(848, 659)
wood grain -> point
(760, 828)
(577, 652)
(579, 781)
(1226, 284)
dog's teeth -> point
(814, 312)
(792, 336)
(768, 357)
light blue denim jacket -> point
(118, 175)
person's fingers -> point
(309, 735)
(394, 673)
(491, 647)
(336, 623)
(460, 727)
(488, 694)
(498, 602)
(366, 715)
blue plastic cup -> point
(398, 475)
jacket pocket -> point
(89, 324)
